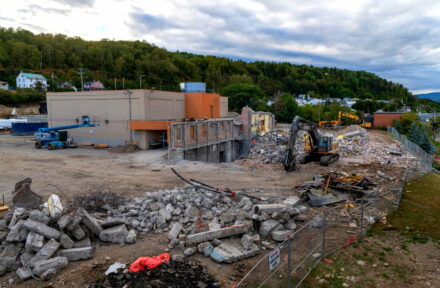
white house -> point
(4, 85)
(28, 80)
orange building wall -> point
(198, 105)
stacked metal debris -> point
(336, 187)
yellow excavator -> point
(337, 123)
(317, 148)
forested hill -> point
(106, 60)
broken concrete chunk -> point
(9, 257)
(83, 243)
(175, 231)
(269, 208)
(214, 234)
(229, 252)
(247, 242)
(189, 251)
(291, 200)
(109, 222)
(24, 196)
(39, 216)
(290, 225)
(47, 251)
(280, 236)
(17, 233)
(34, 241)
(56, 263)
(24, 273)
(191, 212)
(165, 214)
(25, 257)
(115, 234)
(90, 222)
(66, 242)
(76, 254)
(48, 274)
(64, 221)
(42, 229)
(78, 233)
(131, 237)
(76, 219)
(268, 226)
(202, 246)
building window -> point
(203, 127)
(179, 134)
(192, 132)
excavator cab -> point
(325, 144)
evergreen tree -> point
(425, 144)
(414, 134)
(399, 127)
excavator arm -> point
(290, 159)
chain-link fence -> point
(424, 159)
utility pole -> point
(53, 83)
(140, 81)
(81, 72)
(129, 114)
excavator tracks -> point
(328, 159)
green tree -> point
(414, 133)
(285, 107)
(241, 95)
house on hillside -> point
(66, 85)
(93, 86)
(4, 85)
(29, 80)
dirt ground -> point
(389, 260)
(70, 172)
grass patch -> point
(418, 210)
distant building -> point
(29, 80)
(66, 85)
(93, 86)
(385, 119)
(405, 109)
(425, 117)
(4, 85)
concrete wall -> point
(215, 140)
(224, 110)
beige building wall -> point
(111, 110)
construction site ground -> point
(72, 172)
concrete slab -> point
(231, 251)
(115, 234)
(76, 254)
(215, 234)
(42, 229)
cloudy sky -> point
(398, 40)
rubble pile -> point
(39, 242)
(268, 148)
(214, 224)
(355, 144)
(173, 274)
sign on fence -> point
(274, 258)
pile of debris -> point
(269, 148)
(355, 144)
(39, 240)
(173, 274)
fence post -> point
(324, 227)
(362, 218)
(289, 261)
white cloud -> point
(386, 37)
